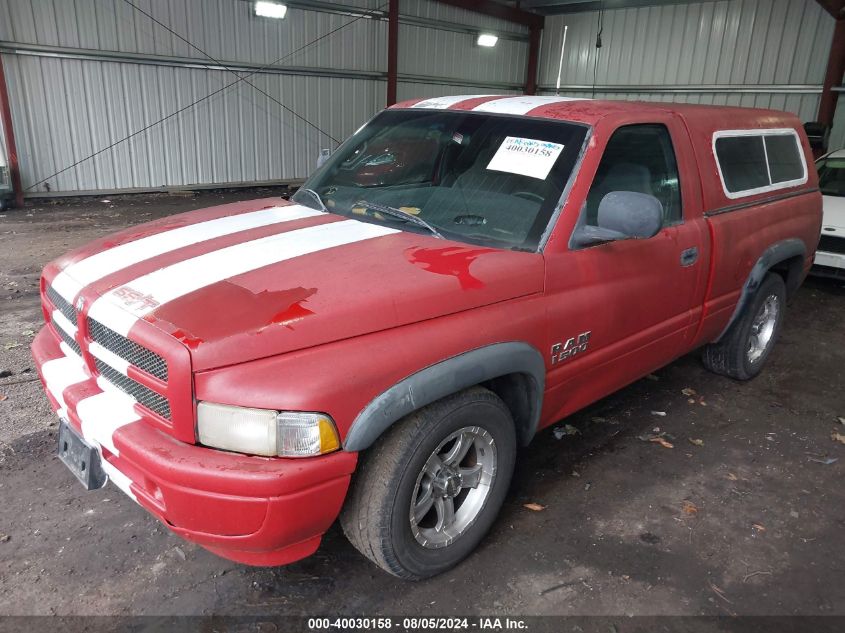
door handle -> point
(689, 256)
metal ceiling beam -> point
(836, 8)
(496, 10)
(532, 4)
(58, 52)
(790, 89)
(405, 19)
(558, 7)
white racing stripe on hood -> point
(519, 105)
(441, 103)
(122, 307)
(72, 279)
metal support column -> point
(833, 76)
(392, 50)
(6, 113)
(533, 56)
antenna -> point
(560, 65)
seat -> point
(483, 192)
(620, 177)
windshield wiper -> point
(314, 195)
(402, 215)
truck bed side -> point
(743, 229)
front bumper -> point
(254, 510)
(827, 264)
(831, 260)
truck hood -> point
(267, 288)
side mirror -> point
(623, 215)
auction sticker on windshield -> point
(526, 157)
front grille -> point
(128, 350)
(145, 397)
(67, 338)
(832, 244)
(135, 354)
(61, 305)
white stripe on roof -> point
(519, 105)
(441, 103)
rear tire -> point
(744, 348)
(429, 490)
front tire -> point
(429, 490)
(747, 344)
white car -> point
(5, 180)
(830, 256)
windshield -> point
(832, 176)
(478, 178)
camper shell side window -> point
(758, 160)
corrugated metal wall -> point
(427, 52)
(129, 73)
(117, 73)
(757, 53)
(430, 53)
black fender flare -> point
(775, 254)
(445, 378)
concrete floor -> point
(746, 520)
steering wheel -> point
(529, 195)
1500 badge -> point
(572, 346)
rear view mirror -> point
(623, 215)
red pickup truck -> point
(461, 273)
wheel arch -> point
(786, 258)
(515, 371)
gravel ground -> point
(741, 516)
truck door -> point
(628, 307)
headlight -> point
(265, 432)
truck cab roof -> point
(702, 124)
(591, 111)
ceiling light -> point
(486, 39)
(270, 9)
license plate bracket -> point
(81, 458)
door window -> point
(638, 158)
